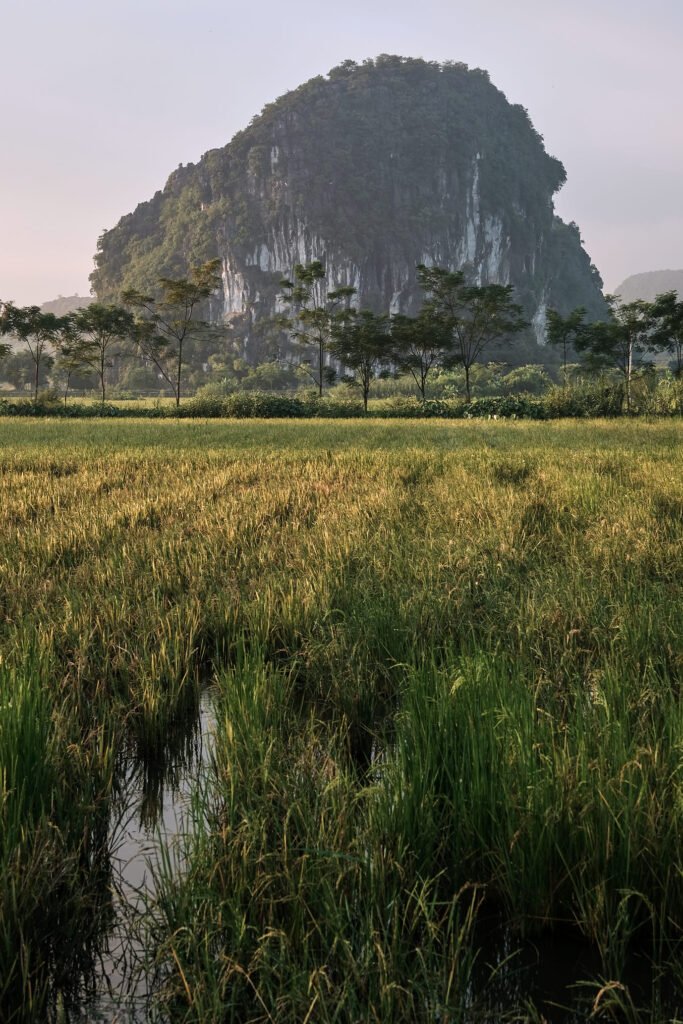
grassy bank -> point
(447, 660)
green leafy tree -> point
(474, 315)
(361, 341)
(667, 328)
(99, 333)
(69, 361)
(619, 341)
(419, 345)
(563, 332)
(164, 326)
(69, 365)
(18, 369)
(270, 376)
(314, 314)
(39, 331)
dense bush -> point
(669, 396)
(74, 410)
(526, 380)
(504, 408)
(594, 398)
(246, 405)
(333, 407)
(208, 403)
(255, 404)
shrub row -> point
(592, 400)
(75, 410)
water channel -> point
(151, 812)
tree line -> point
(632, 331)
(156, 328)
(457, 322)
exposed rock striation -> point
(372, 169)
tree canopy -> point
(619, 341)
(361, 341)
(474, 315)
(38, 331)
(99, 333)
(564, 332)
(313, 313)
(420, 344)
(667, 327)
(165, 324)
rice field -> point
(444, 661)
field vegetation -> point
(445, 660)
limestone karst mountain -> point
(372, 169)
(648, 285)
(66, 304)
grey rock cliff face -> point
(372, 170)
(383, 275)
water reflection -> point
(559, 978)
(150, 808)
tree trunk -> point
(629, 371)
(35, 386)
(178, 377)
(320, 368)
(468, 395)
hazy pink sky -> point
(99, 102)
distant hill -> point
(647, 286)
(60, 306)
(66, 304)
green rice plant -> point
(450, 663)
(52, 843)
(555, 808)
(290, 910)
